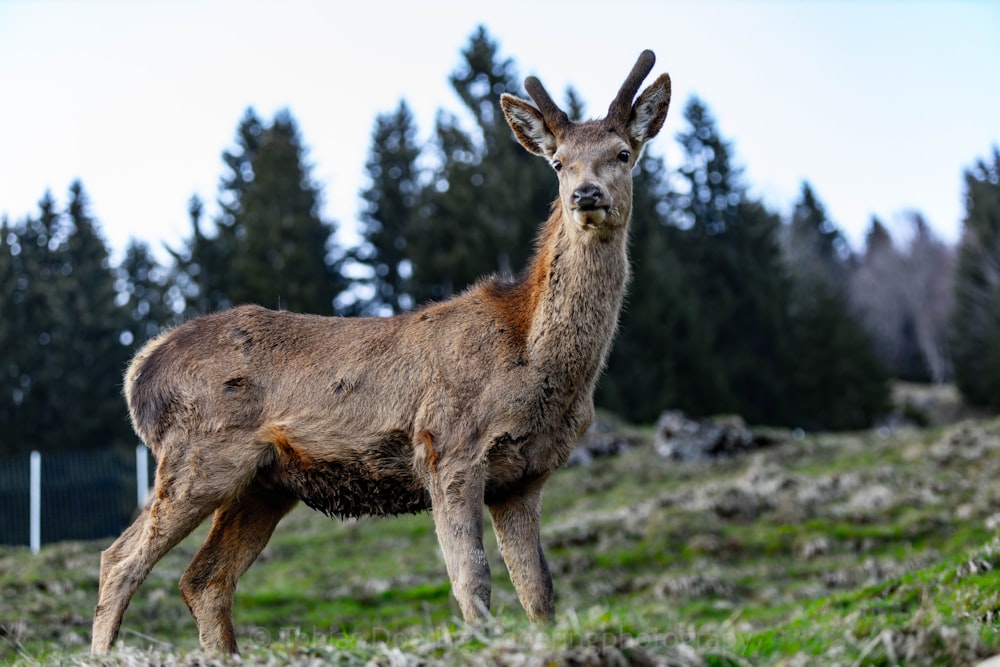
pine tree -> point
(239, 162)
(144, 293)
(285, 257)
(837, 382)
(92, 409)
(10, 327)
(202, 270)
(814, 248)
(755, 340)
(658, 344)
(64, 355)
(574, 105)
(503, 166)
(710, 193)
(835, 378)
(448, 245)
(271, 245)
(976, 320)
(391, 208)
(31, 317)
(488, 196)
(730, 247)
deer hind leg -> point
(516, 520)
(164, 522)
(240, 530)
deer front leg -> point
(516, 520)
(457, 505)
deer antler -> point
(555, 118)
(621, 108)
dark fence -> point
(81, 495)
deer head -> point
(593, 159)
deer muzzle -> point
(589, 205)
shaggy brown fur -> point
(471, 401)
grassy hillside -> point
(874, 548)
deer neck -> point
(576, 284)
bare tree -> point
(904, 300)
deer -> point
(467, 402)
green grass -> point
(832, 549)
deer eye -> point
(557, 165)
(625, 156)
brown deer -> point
(472, 401)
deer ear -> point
(528, 125)
(649, 111)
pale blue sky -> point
(880, 105)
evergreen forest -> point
(733, 308)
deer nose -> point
(587, 196)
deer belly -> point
(343, 490)
(378, 482)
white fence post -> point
(142, 474)
(35, 511)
